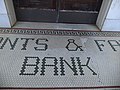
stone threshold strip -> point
(59, 32)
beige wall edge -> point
(7, 14)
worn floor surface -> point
(59, 59)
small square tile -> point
(55, 58)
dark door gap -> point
(58, 11)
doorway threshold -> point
(57, 26)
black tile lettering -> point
(114, 45)
(100, 45)
(10, 42)
(72, 46)
(44, 65)
(39, 42)
(86, 65)
(73, 67)
(25, 65)
(26, 42)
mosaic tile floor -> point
(59, 59)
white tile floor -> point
(38, 25)
(99, 55)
